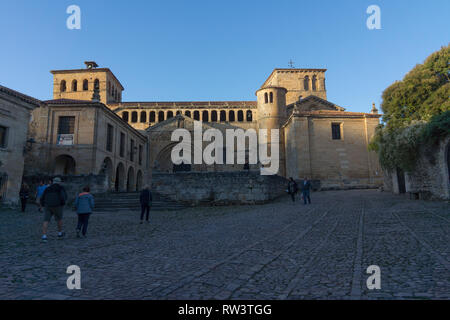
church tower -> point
(272, 114)
(80, 84)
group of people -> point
(305, 188)
(52, 198)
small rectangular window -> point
(66, 125)
(109, 137)
(122, 144)
(336, 131)
(3, 137)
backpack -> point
(54, 196)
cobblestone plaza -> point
(281, 250)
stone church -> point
(319, 139)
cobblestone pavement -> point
(279, 250)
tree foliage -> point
(416, 112)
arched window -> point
(314, 83)
(125, 116)
(97, 84)
(143, 117)
(152, 116)
(109, 87)
(85, 85)
(231, 116)
(249, 116)
(63, 86)
(196, 115)
(187, 113)
(205, 117)
(271, 97)
(223, 116)
(160, 116)
(306, 83)
(266, 98)
(134, 117)
(169, 114)
(214, 116)
(112, 91)
(240, 115)
(120, 96)
(74, 85)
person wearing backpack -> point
(84, 204)
(53, 200)
(146, 202)
(292, 188)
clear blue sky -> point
(220, 50)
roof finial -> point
(291, 64)
(374, 109)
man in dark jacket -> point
(306, 189)
(53, 200)
(292, 188)
(146, 202)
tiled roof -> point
(69, 101)
(19, 95)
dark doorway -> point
(401, 181)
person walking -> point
(53, 200)
(306, 190)
(39, 192)
(292, 188)
(146, 202)
(24, 194)
(84, 204)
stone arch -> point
(231, 117)
(249, 116)
(197, 115)
(161, 116)
(143, 117)
(130, 180)
(223, 116)
(152, 116)
(120, 177)
(266, 98)
(64, 165)
(240, 116)
(314, 83)
(271, 97)
(63, 86)
(125, 116)
(107, 170)
(163, 161)
(169, 114)
(205, 116)
(134, 117)
(139, 181)
(85, 85)
(187, 113)
(214, 116)
(74, 85)
(306, 83)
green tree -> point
(416, 112)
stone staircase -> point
(115, 201)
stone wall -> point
(72, 184)
(219, 188)
(430, 179)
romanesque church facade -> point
(88, 128)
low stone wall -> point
(430, 179)
(73, 184)
(219, 188)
